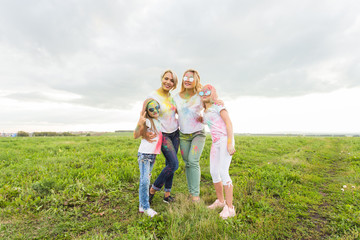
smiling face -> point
(167, 82)
(153, 109)
(189, 80)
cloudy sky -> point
(281, 66)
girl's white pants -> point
(220, 160)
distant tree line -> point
(44, 134)
(22, 134)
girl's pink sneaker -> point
(217, 204)
(227, 212)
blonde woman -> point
(192, 134)
(170, 133)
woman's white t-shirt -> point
(189, 110)
(169, 123)
(152, 147)
(216, 124)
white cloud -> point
(99, 55)
(334, 112)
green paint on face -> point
(153, 106)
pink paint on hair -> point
(213, 95)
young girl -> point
(222, 149)
(148, 150)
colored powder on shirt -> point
(158, 145)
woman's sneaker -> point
(227, 212)
(169, 199)
(150, 212)
(217, 204)
(141, 210)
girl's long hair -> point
(153, 127)
(213, 96)
(197, 87)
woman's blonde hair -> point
(173, 76)
(197, 87)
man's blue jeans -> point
(146, 164)
(169, 147)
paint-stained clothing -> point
(189, 110)
(146, 157)
(152, 147)
(216, 124)
(169, 148)
(192, 139)
(146, 164)
(170, 140)
(169, 123)
(220, 158)
(191, 146)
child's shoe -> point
(227, 212)
(141, 210)
(150, 212)
(217, 204)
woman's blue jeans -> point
(146, 164)
(169, 147)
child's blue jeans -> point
(146, 164)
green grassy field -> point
(87, 188)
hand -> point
(150, 136)
(219, 102)
(200, 119)
(231, 149)
(142, 119)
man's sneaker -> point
(227, 212)
(151, 196)
(141, 210)
(169, 199)
(217, 204)
(150, 212)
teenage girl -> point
(192, 134)
(148, 150)
(170, 133)
(222, 149)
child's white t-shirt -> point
(216, 124)
(152, 147)
(189, 110)
(167, 118)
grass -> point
(87, 188)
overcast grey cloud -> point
(103, 54)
